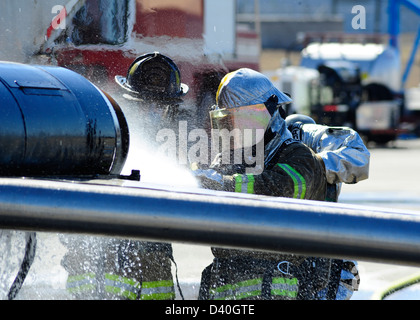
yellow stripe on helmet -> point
(224, 82)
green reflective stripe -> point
(122, 286)
(241, 290)
(284, 293)
(82, 287)
(158, 296)
(284, 287)
(238, 182)
(158, 290)
(155, 284)
(81, 277)
(298, 180)
(114, 289)
(82, 282)
(251, 180)
(125, 287)
(244, 183)
(292, 281)
(245, 283)
(124, 280)
(239, 296)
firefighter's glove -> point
(208, 178)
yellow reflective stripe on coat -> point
(298, 180)
(244, 183)
(158, 290)
(240, 290)
(284, 287)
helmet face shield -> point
(245, 124)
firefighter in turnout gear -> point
(346, 160)
(153, 87)
(247, 100)
(115, 269)
(107, 268)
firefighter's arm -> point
(270, 182)
(211, 179)
(283, 180)
(297, 173)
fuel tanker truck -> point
(56, 122)
(57, 125)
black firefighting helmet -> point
(155, 76)
(295, 122)
(298, 119)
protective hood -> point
(247, 87)
(276, 135)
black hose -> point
(27, 261)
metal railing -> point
(212, 218)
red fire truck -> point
(100, 38)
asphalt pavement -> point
(393, 183)
(394, 175)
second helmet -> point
(153, 75)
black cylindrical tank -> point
(53, 121)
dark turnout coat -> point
(292, 170)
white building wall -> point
(23, 25)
